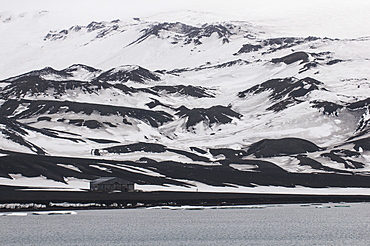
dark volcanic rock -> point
(362, 143)
(284, 104)
(198, 150)
(287, 90)
(359, 104)
(186, 33)
(265, 173)
(238, 62)
(15, 132)
(40, 107)
(103, 141)
(329, 108)
(247, 48)
(308, 66)
(125, 73)
(60, 75)
(187, 90)
(281, 147)
(294, 57)
(146, 147)
(78, 67)
(35, 86)
(92, 124)
(190, 155)
(274, 44)
(155, 103)
(306, 161)
(230, 154)
(339, 156)
(335, 61)
(39, 73)
(210, 116)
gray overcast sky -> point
(335, 17)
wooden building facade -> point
(109, 184)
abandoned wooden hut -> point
(109, 184)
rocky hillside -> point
(216, 107)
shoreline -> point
(16, 200)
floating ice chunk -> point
(54, 213)
(323, 207)
(16, 214)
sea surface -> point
(291, 224)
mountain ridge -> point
(179, 106)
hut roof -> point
(110, 179)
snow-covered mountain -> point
(223, 106)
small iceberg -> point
(323, 207)
(54, 213)
(16, 214)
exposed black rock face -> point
(37, 74)
(308, 66)
(51, 82)
(155, 30)
(17, 132)
(247, 48)
(287, 90)
(282, 41)
(77, 67)
(92, 124)
(186, 33)
(125, 73)
(65, 74)
(190, 155)
(198, 150)
(325, 107)
(230, 154)
(281, 147)
(44, 118)
(155, 103)
(102, 29)
(210, 116)
(102, 141)
(362, 143)
(283, 104)
(265, 173)
(275, 44)
(335, 61)
(306, 161)
(338, 156)
(359, 104)
(35, 86)
(40, 107)
(146, 147)
(94, 26)
(294, 57)
(238, 62)
(188, 90)
(363, 125)
(14, 131)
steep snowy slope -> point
(170, 105)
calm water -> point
(286, 225)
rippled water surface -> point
(273, 225)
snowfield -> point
(189, 104)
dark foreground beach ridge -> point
(12, 199)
